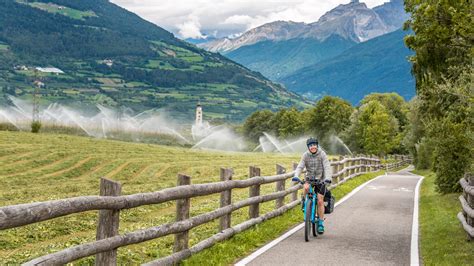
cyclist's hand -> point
(327, 181)
(296, 179)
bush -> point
(452, 155)
(35, 126)
(7, 127)
(424, 158)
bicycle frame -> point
(311, 197)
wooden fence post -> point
(181, 240)
(341, 167)
(334, 166)
(372, 163)
(280, 186)
(294, 195)
(470, 199)
(353, 163)
(226, 199)
(364, 163)
(108, 224)
(254, 209)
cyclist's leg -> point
(305, 188)
(321, 190)
(305, 191)
(321, 206)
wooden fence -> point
(466, 216)
(110, 203)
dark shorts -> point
(320, 188)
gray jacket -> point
(317, 165)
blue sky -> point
(198, 18)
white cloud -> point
(225, 17)
(190, 29)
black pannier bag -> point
(329, 201)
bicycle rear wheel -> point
(307, 223)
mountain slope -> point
(378, 65)
(277, 59)
(273, 31)
(111, 56)
(280, 48)
(353, 21)
(392, 13)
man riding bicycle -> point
(317, 167)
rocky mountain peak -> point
(352, 21)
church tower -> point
(198, 115)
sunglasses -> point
(313, 145)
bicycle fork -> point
(314, 208)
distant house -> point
(22, 67)
(108, 62)
(61, 7)
(39, 84)
(53, 70)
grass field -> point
(62, 10)
(443, 241)
(46, 167)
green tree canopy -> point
(331, 115)
(289, 122)
(443, 42)
(394, 103)
(443, 37)
(373, 130)
(257, 123)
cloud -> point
(190, 29)
(225, 17)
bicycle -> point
(310, 208)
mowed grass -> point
(443, 241)
(41, 167)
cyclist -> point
(317, 167)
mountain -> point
(277, 59)
(274, 31)
(104, 54)
(280, 48)
(392, 13)
(377, 65)
(353, 21)
(200, 40)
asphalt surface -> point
(373, 227)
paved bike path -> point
(373, 227)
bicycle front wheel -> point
(315, 233)
(307, 222)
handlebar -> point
(312, 182)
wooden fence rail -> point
(466, 216)
(109, 204)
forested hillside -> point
(113, 57)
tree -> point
(443, 70)
(453, 134)
(414, 136)
(394, 103)
(331, 115)
(373, 130)
(289, 123)
(257, 123)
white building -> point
(53, 70)
(198, 115)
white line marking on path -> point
(268, 246)
(414, 255)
